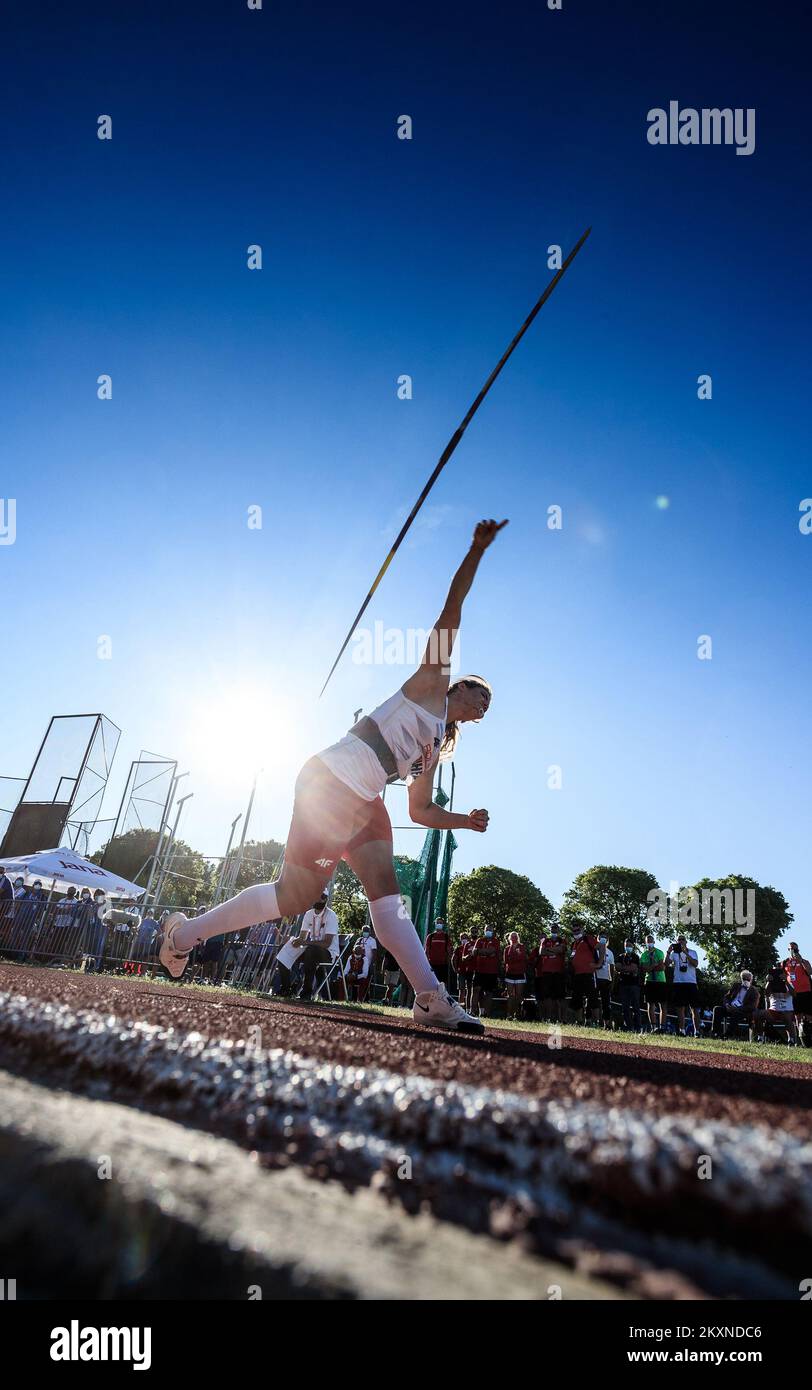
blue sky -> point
(277, 388)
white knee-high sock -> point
(252, 905)
(395, 931)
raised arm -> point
(429, 683)
(424, 811)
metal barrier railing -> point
(75, 935)
(70, 934)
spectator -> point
(437, 950)
(143, 947)
(9, 911)
(604, 979)
(354, 973)
(739, 1005)
(487, 955)
(320, 928)
(779, 1005)
(64, 918)
(6, 890)
(293, 942)
(94, 930)
(391, 976)
(652, 961)
(549, 961)
(210, 958)
(369, 946)
(84, 915)
(630, 974)
(798, 972)
(61, 934)
(586, 957)
(463, 963)
(515, 974)
(683, 960)
(28, 915)
(7, 896)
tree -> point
(611, 898)
(498, 898)
(190, 880)
(348, 900)
(261, 862)
(729, 946)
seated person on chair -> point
(315, 943)
(739, 1005)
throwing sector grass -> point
(451, 446)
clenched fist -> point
(478, 820)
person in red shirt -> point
(549, 962)
(463, 964)
(487, 955)
(586, 956)
(515, 974)
(354, 974)
(799, 979)
(438, 950)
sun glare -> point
(238, 732)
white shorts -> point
(780, 1003)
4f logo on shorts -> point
(324, 863)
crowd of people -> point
(571, 975)
(576, 977)
(33, 924)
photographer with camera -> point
(604, 979)
(630, 974)
(683, 960)
(798, 974)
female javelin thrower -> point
(338, 812)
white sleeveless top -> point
(413, 734)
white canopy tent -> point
(61, 868)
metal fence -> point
(78, 935)
(55, 933)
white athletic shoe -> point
(173, 961)
(435, 1009)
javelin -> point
(451, 446)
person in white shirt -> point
(338, 811)
(65, 914)
(739, 1005)
(370, 946)
(604, 978)
(683, 960)
(316, 943)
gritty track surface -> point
(741, 1089)
(588, 1155)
